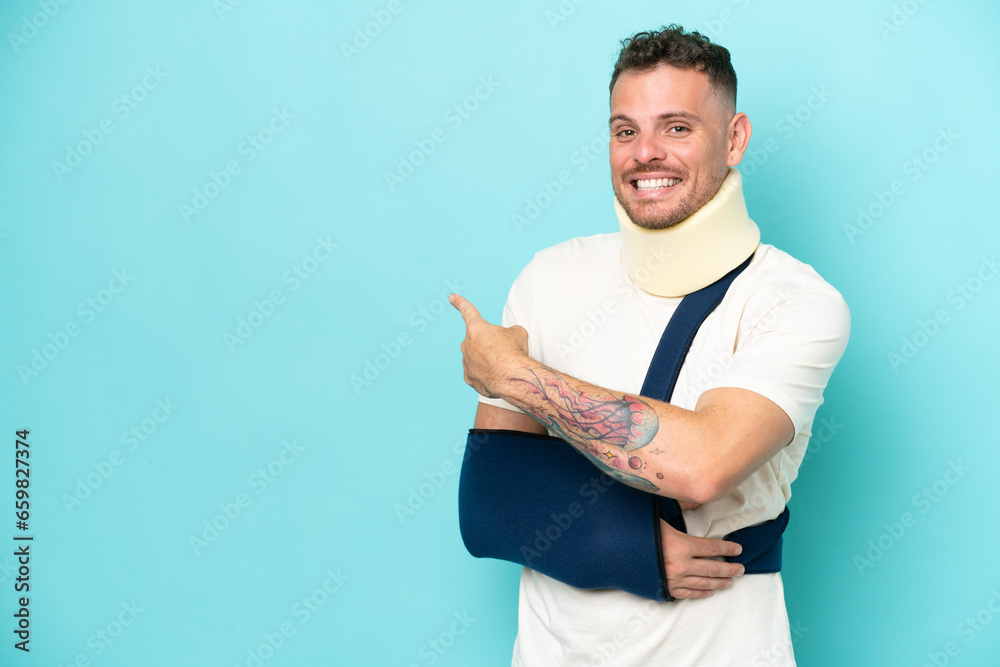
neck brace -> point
(696, 251)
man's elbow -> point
(711, 484)
(704, 492)
(695, 482)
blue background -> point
(885, 80)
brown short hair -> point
(672, 46)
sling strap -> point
(534, 500)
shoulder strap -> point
(679, 333)
(761, 543)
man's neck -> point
(696, 251)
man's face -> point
(671, 143)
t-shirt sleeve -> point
(790, 353)
(518, 310)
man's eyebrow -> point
(622, 117)
(683, 115)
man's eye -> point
(677, 129)
(625, 133)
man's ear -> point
(738, 137)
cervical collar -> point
(695, 252)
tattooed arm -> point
(691, 455)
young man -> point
(729, 443)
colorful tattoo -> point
(620, 424)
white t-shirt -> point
(779, 331)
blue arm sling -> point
(534, 500)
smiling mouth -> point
(646, 184)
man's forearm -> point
(637, 440)
(695, 455)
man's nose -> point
(649, 147)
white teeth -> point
(650, 183)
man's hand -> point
(691, 572)
(488, 349)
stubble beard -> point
(690, 202)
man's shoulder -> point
(776, 270)
(778, 283)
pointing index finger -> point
(468, 311)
